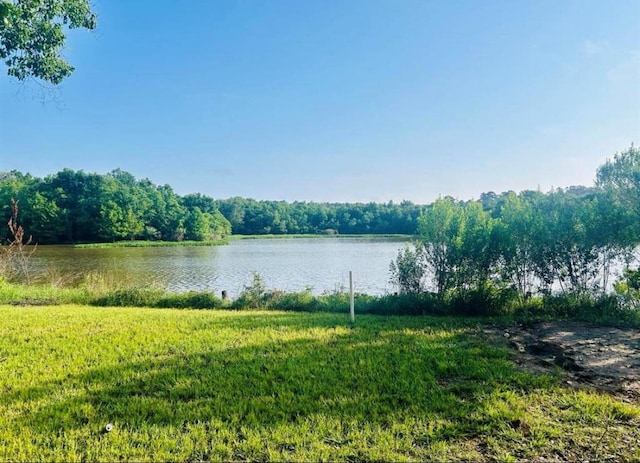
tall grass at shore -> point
(281, 386)
(371, 236)
(227, 240)
(98, 290)
(151, 244)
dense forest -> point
(74, 206)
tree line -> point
(565, 240)
(74, 207)
(252, 217)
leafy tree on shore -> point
(440, 228)
(620, 178)
(517, 236)
(565, 240)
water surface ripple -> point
(290, 264)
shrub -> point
(604, 308)
(131, 297)
(303, 301)
(406, 304)
(337, 302)
(628, 288)
(191, 300)
(253, 296)
(485, 300)
(408, 271)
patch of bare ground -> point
(590, 355)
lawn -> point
(186, 385)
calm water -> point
(293, 264)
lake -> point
(289, 264)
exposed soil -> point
(592, 356)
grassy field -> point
(279, 386)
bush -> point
(303, 301)
(408, 271)
(253, 296)
(406, 304)
(130, 297)
(604, 308)
(529, 308)
(628, 288)
(485, 300)
(191, 300)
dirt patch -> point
(604, 358)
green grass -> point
(102, 290)
(282, 386)
(319, 235)
(151, 244)
(144, 243)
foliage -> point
(251, 217)
(628, 287)
(478, 302)
(151, 244)
(621, 176)
(583, 307)
(483, 300)
(440, 228)
(458, 243)
(130, 297)
(303, 301)
(518, 232)
(403, 304)
(74, 206)
(254, 295)
(32, 35)
(408, 270)
(492, 256)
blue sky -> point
(326, 100)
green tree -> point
(112, 221)
(516, 230)
(478, 248)
(205, 226)
(32, 35)
(440, 228)
(620, 177)
(408, 270)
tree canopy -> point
(566, 240)
(75, 206)
(32, 35)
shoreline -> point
(228, 240)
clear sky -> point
(333, 100)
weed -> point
(16, 255)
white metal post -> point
(352, 308)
